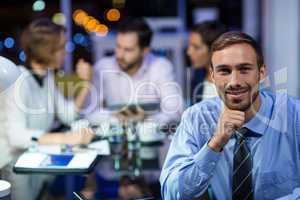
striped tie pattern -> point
(242, 168)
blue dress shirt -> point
(191, 166)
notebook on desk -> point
(37, 162)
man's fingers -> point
(235, 112)
(236, 118)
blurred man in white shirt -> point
(133, 76)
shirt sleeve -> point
(294, 196)
(296, 122)
(18, 135)
(188, 166)
(170, 92)
(94, 110)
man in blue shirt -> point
(244, 144)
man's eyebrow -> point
(244, 65)
(221, 66)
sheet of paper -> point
(82, 160)
(101, 146)
(30, 160)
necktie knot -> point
(240, 135)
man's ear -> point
(262, 73)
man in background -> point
(132, 76)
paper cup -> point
(5, 189)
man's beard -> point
(246, 103)
(128, 66)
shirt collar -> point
(39, 79)
(259, 123)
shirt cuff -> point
(206, 159)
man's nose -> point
(188, 51)
(235, 79)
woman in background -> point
(200, 40)
(35, 102)
(8, 75)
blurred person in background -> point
(8, 75)
(135, 75)
(35, 102)
(201, 38)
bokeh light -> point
(113, 15)
(101, 30)
(91, 25)
(9, 42)
(70, 46)
(22, 56)
(78, 38)
(79, 16)
(38, 5)
(59, 18)
(86, 20)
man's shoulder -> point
(155, 61)
(106, 63)
(285, 111)
(157, 58)
(282, 100)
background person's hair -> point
(40, 40)
(209, 31)
(139, 26)
(234, 37)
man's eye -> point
(244, 70)
(197, 47)
(224, 71)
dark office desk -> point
(134, 159)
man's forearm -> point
(190, 179)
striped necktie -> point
(242, 168)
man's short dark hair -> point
(209, 31)
(139, 26)
(234, 37)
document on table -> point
(36, 160)
(101, 147)
(31, 160)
